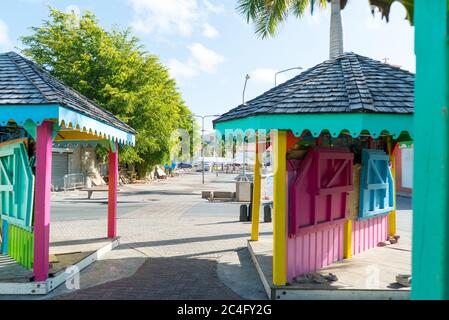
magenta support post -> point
(44, 142)
(113, 185)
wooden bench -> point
(90, 191)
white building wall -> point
(407, 167)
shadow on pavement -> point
(149, 244)
(162, 279)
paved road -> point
(404, 220)
(171, 242)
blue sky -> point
(209, 47)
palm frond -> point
(384, 7)
(315, 3)
(250, 9)
(276, 15)
(299, 7)
(268, 15)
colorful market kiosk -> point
(37, 110)
(332, 125)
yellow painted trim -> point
(280, 208)
(256, 193)
(66, 134)
(347, 254)
(392, 215)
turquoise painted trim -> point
(430, 258)
(87, 124)
(29, 116)
(5, 236)
(355, 123)
(16, 185)
(31, 128)
(26, 113)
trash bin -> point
(267, 213)
(250, 207)
(243, 213)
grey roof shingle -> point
(349, 83)
(22, 82)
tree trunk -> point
(336, 30)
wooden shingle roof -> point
(349, 83)
(22, 82)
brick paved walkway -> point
(169, 248)
(165, 279)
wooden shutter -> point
(16, 185)
(376, 184)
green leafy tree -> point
(113, 69)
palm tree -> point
(336, 31)
(267, 15)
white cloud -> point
(165, 17)
(172, 17)
(209, 31)
(179, 69)
(201, 59)
(5, 41)
(266, 76)
(205, 59)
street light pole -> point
(202, 147)
(202, 138)
(244, 88)
(282, 71)
(244, 149)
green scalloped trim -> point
(397, 125)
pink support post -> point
(42, 200)
(112, 200)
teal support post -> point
(430, 257)
(5, 227)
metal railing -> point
(74, 181)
